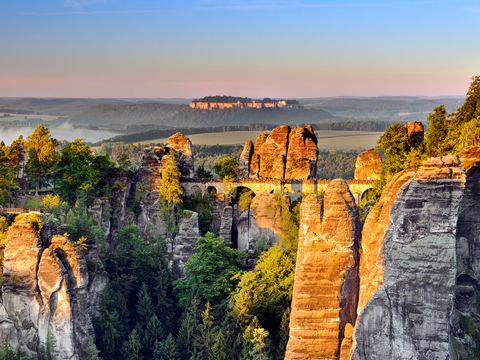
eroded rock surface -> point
(408, 265)
(326, 278)
(185, 241)
(261, 224)
(368, 165)
(45, 294)
(283, 153)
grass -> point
(327, 139)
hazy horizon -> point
(274, 48)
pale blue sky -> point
(281, 48)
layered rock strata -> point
(418, 271)
(326, 278)
(47, 296)
(408, 278)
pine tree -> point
(170, 196)
(152, 333)
(170, 190)
(132, 347)
(188, 329)
(91, 350)
(166, 350)
(204, 338)
(42, 155)
(255, 342)
(437, 130)
(144, 306)
(17, 156)
(219, 350)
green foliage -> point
(336, 164)
(188, 328)
(171, 191)
(471, 106)
(245, 200)
(42, 155)
(165, 350)
(212, 271)
(437, 131)
(226, 167)
(255, 342)
(138, 297)
(204, 206)
(205, 337)
(132, 347)
(80, 225)
(202, 173)
(265, 292)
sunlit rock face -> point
(283, 153)
(325, 293)
(182, 147)
(408, 265)
(368, 165)
(418, 276)
(46, 294)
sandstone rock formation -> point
(302, 154)
(245, 159)
(46, 294)
(418, 275)
(326, 278)
(262, 222)
(182, 147)
(368, 165)
(185, 241)
(408, 265)
(414, 129)
(283, 153)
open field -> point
(327, 139)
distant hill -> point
(139, 115)
(386, 108)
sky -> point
(256, 48)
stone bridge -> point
(295, 188)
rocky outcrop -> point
(326, 277)
(46, 293)
(465, 316)
(368, 165)
(245, 159)
(302, 154)
(283, 153)
(408, 266)
(182, 147)
(226, 224)
(185, 241)
(418, 271)
(414, 129)
(260, 224)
